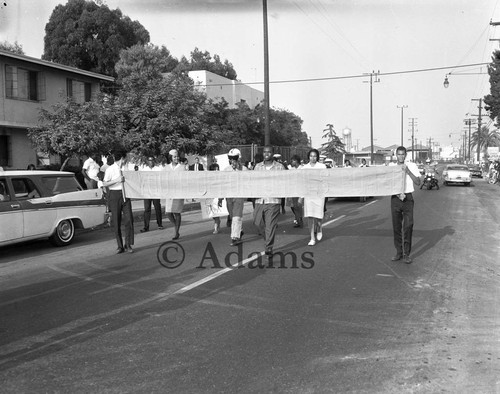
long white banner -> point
(333, 182)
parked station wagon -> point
(46, 204)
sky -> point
(320, 52)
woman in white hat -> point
(173, 207)
(235, 205)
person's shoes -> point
(269, 252)
(408, 259)
(176, 236)
(160, 227)
(144, 230)
(295, 223)
(119, 250)
(319, 236)
(396, 257)
(235, 241)
(312, 242)
(129, 249)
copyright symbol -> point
(170, 254)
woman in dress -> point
(314, 207)
(173, 207)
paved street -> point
(346, 319)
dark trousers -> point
(402, 223)
(147, 212)
(121, 211)
(267, 215)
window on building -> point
(24, 84)
(4, 151)
(79, 91)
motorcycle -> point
(430, 181)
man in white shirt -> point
(90, 170)
(150, 166)
(402, 208)
(120, 207)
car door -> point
(38, 214)
(11, 214)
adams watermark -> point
(171, 255)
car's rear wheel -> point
(64, 233)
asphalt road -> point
(81, 319)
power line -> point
(349, 76)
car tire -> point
(64, 233)
(467, 184)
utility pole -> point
(402, 108)
(412, 138)
(373, 78)
(479, 130)
(267, 135)
(468, 122)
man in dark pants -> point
(150, 166)
(120, 207)
(267, 209)
(402, 208)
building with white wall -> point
(217, 87)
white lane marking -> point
(370, 203)
(217, 274)
(386, 275)
(333, 220)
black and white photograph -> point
(325, 182)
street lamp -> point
(446, 83)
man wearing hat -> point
(235, 205)
(150, 166)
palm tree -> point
(488, 138)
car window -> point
(61, 184)
(25, 188)
(4, 192)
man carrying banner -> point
(267, 209)
(402, 208)
(235, 205)
(119, 205)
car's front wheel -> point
(64, 233)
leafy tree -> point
(167, 113)
(75, 130)
(142, 63)
(492, 100)
(89, 36)
(242, 126)
(488, 138)
(203, 61)
(286, 129)
(334, 144)
(16, 48)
